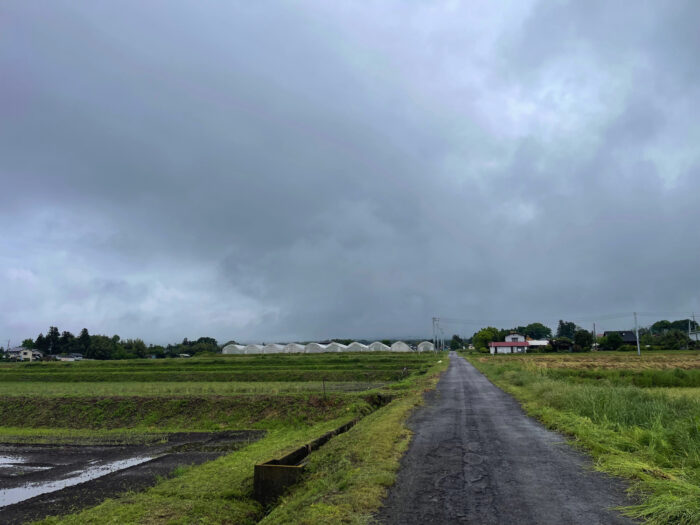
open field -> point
(143, 402)
(181, 388)
(268, 368)
(640, 418)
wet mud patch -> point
(37, 481)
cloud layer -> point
(298, 171)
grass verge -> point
(644, 435)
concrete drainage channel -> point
(272, 478)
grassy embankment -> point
(347, 477)
(639, 417)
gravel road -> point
(477, 458)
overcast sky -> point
(267, 171)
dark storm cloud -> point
(307, 170)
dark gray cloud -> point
(259, 171)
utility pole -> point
(636, 331)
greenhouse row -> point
(318, 348)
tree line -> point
(91, 346)
(666, 335)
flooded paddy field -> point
(156, 441)
(41, 480)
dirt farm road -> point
(477, 458)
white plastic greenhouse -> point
(293, 348)
(314, 348)
(378, 347)
(273, 349)
(400, 346)
(253, 349)
(233, 349)
(426, 346)
(357, 347)
(336, 347)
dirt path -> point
(477, 458)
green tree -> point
(537, 331)
(456, 342)
(52, 336)
(84, 341)
(66, 343)
(485, 336)
(28, 343)
(561, 344)
(613, 341)
(41, 343)
(583, 339)
(101, 347)
(566, 329)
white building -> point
(426, 346)
(538, 342)
(357, 347)
(378, 347)
(514, 344)
(233, 349)
(314, 348)
(293, 348)
(400, 346)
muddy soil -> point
(29, 469)
(477, 458)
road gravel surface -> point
(477, 458)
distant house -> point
(20, 353)
(628, 337)
(70, 357)
(514, 344)
(537, 342)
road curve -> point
(477, 458)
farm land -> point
(639, 416)
(281, 401)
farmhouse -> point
(514, 344)
(628, 337)
(20, 353)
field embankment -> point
(633, 429)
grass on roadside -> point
(645, 435)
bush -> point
(627, 348)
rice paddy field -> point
(292, 399)
(639, 416)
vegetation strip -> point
(645, 435)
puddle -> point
(18, 494)
(11, 460)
